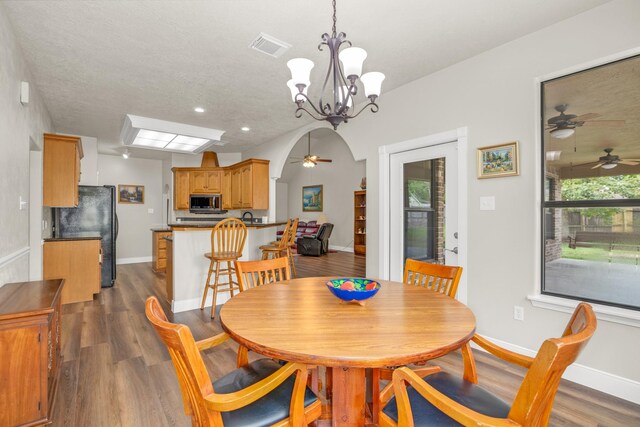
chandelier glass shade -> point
(340, 84)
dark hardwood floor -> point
(116, 372)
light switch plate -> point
(150, 210)
(487, 203)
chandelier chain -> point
(334, 18)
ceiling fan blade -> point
(598, 165)
(585, 117)
(628, 162)
(631, 160)
(297, 161)
(324, 160)
(607, 123)
(582, 164)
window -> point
(591, 188)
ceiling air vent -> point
(270, 45)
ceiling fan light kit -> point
(562, 133)
(344, 71)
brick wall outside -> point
(553, 247)
(439, 199)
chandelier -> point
(345, 69)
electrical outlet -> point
(518, 312)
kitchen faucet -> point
(250, 214)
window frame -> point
(545, 298)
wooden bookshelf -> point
(360, 222)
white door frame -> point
(458, 135)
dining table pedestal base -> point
(348, 397)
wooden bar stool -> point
(283, 247)
(227, 242)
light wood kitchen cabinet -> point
(204, 181)
(78, 263)
(250, 184)
(30, 330)
(226, 189)
(244, 185)
(236, 186)
(181, 189)
(159, 255)
(61, 170)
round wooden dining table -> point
(300, 320)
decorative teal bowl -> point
(353, 289)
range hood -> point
(154, 134)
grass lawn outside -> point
(599, 254)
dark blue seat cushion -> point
(266, 411)
(470, 395)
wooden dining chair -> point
(438, 278)
(284, 246)
(227, 243)
(260, 393)
(256, 273)
(440, 399)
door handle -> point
(454, 250)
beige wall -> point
(495, 96)
(339, 179)
(18, 124)
(134, 238)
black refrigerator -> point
(96, 213)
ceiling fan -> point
(563, 125)
(310, 161)
(610, 161)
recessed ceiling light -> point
(199, 110)
(245, 128)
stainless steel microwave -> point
(205, 203)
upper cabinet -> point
(61, 170)
(250, 184)
(244, 185)
(226, 189)
(181, 189)
(204, 181)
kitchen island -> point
(190, 267)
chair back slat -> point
(257, 273)
(533, 402)
(292, 232)
(286, 234)
(193, 377)
(228, 236)
(438, 278)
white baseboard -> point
(133, 260)
(615, 385)
(192, 304)
(341, 248)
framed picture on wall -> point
(498, 160)
(130, 193)
(312, 198)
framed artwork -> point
(130, 193)
(498, 160)
(312, 198)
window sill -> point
(604, 312)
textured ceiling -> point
(95, 61)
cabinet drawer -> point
(161, 264)
(162, 253)
(162, 244)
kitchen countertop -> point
(76, 236)
(160, 229)
(207, 224)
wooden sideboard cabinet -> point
(159, 255)
(30, 328)
(76, 261)
(61, 170)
